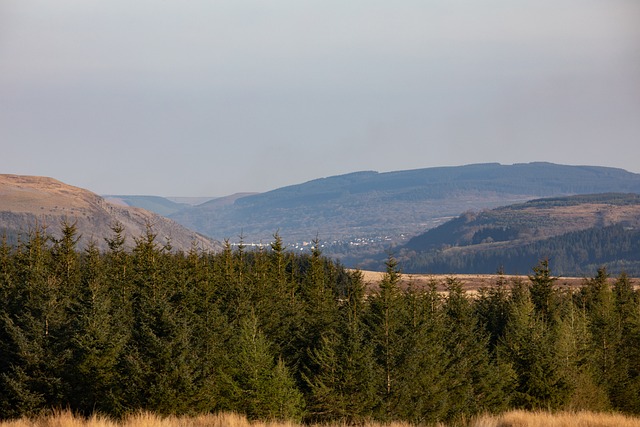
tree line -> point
(280, 335)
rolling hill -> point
(393, 206)
(30, 201)
(577, 234)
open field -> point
(471, 282)
(144, 419)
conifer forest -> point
(274, 334)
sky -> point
(214, 97)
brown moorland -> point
(471, 283)
(28, 202)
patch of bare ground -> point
(147, 419)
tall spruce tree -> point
(492, 309)
(277, 302)
(342, 382)
(476, 384)
(423, 388)
(97, 342)
(264, 388)
(200, 303)
(572, 346)
(604, 327)
(625, 390)
(319, 299)
(159, 361)
(386, 324)
(543, 293)
(31, 330)
(529, 346)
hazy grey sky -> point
(206, 97)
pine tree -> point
(97, 342)
(319, 299)
(604, 327)
(625, 388)
(386, 323)
(31, 331)
(264, 389)
(492, 309)
(423, 395)
(542, 290)
(529, 346)
(475, 383)
(232, 283)
(119, 276)
(573, 356)
(159, 361)
(200, 303)
(342, 383)
(276, 301)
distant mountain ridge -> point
(395, 204)
(30, 201)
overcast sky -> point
(208, 98)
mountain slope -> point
(577, 234)
(394, 203)
(30, 201)
(160, 205)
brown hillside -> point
(30, 201)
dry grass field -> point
(145, 419)
(565, 419)
(471, 282)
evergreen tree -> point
(119, 276)
(264, 389)
(232, 283)
(386, 323)
(475, 383)
(423, 391)
(66, 259)
(159, 361)
(341, 383)
(31, 330)
(319, 299)
(276, 301)
(97, 342)
(542, 290)
(573, 356)
(604, 327)
(625, 388)
(529, 346)
(199, 302)
(492, 309)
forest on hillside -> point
(279, 335)
(577, 253)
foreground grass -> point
(145, 419)
(564, 419)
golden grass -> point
(146, 419)
(563, 419)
